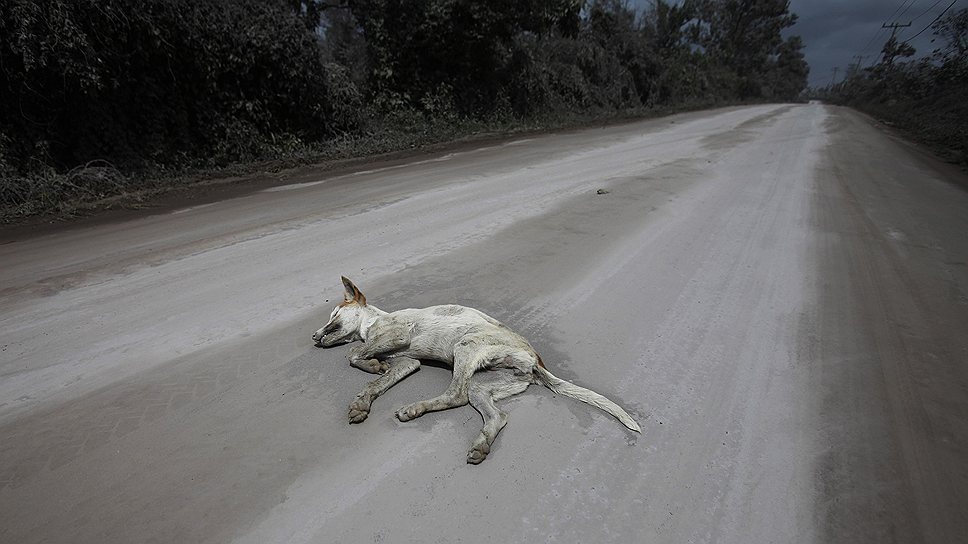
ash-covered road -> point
(778, 293)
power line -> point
(864, 51)
(953, 2)
(867, 47)
(895, 25)
(855, 68)
(911, 5)
(870, 41)
(879, 31)
(899, 9)
(860, 60)
(923, 13)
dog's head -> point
(344, 323)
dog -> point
(464, 338)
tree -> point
(670, 37)
(742, 35)
(135, 81)
(455, 48)
(613, 26)
(789, 70)
(953, 29)
(893, 49)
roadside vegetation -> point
(109, 97)
(926, 98)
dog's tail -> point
(569, 389)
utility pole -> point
(855, 67)
(893, 52)
(894, 26)
(835, 69)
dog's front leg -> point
(371, 365)
(384, 343)
(400, 368)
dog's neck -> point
(370, 314)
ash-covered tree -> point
(742, 37)
(893, 49)
(424, 52)
(787, 70)
(614, 26)
(925, 97)
(142, 81)
(680, 65)
(953, 31)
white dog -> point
(466, 339)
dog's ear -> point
(352, 293)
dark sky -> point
(833, 31)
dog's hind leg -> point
(399, 368)
(468, 358)
(485, 388)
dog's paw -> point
(409, 412)
(478, 453)
(359, 410)
(358, 416)
(373, 366)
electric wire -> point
(923, 13)
(911, 5)
(882, 29)
(953, 2)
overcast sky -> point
(833, 31)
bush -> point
(136, 90)
(135, 81)
(566, 75)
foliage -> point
(135, 86)
(925, 97)
(953, 29)
(137, 81)
(893, 49)
(744, 36)
(418, 48)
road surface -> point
(777, 293)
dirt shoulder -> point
(202, 186)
